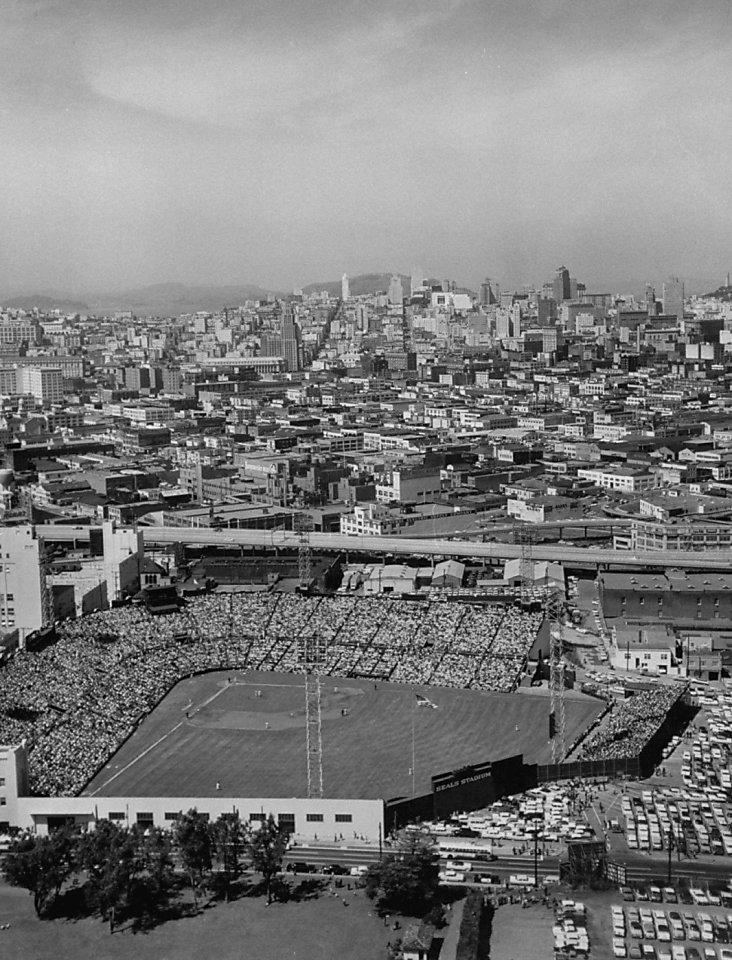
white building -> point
(21, 588)
(306, 818)
(619, 478)
(43, 383)
(372, 520)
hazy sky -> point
(283, 143)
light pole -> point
(535, 828)
(671, 844)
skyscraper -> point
(561, 285)
(396, 291)
(487, 297)
(291, 341)
(416, 281)
(673, 298)
(345, 287)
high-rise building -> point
(673, 298)
(396, 291)
(23, 330)
(291, 340)
(345, 287)
(503, 324)
(486, 297)
(21, 587)
(43, 383)
(561, 285)
(551, 338)
(546, 309)
(416, 281)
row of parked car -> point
(655, 923)
(570, 930)
(690, 820)
(701, 896)
(668, 951)
(514, 819)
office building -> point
(561, 285)
(345, 287)
(45, 384)
(673, 298)
(21, 587)
(486, 297)
(291, 347)
(396, 291)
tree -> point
(229, 837)
(41, 865)
(267, 847)
(406, 878)
(108, 853)
(193, 837)
(152, 881)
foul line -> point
(152, 746)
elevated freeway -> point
(412, 547)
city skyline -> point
(279, 146)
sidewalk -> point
(452, 933)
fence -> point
(581, 769)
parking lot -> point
(688, 804)
(671, 924)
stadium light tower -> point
(303, 525)
(558, 720)
(524, 537)
(47, 611)
(312, 653)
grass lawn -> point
(318, 929)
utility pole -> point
(670, 850)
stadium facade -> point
(316, 819)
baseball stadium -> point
(136, 716)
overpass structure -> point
(409, 547)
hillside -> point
(45, 304)
(172, 299)
(721, 293)
(360, 286)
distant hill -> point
(360, 286)
(721, 293)
(45, 304)
(172, 299)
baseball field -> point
(244, 734)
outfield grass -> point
(208, 731)
(320, 929)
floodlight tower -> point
(524, 537)
(44, 563)
(312, 653)
(553, 614)
(303, 526)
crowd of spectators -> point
(627, 728)
(76, 701)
